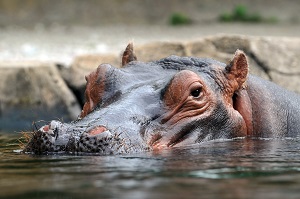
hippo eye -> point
(196, 92)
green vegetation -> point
(179, 19)
(240, 14)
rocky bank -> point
(37, 92)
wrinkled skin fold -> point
(172, 102)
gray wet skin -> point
(135, 112)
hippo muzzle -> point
(60, 137)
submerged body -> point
(176, 101)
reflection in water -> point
(221, 169)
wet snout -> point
(61, 137)
(65, 134)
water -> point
(242, 168)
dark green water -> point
(222, 169)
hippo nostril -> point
(97, 130)
(51, 129)
(45, 128)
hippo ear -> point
(128, 55)
(237, 70)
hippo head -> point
(171, 102)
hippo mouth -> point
(61, 138)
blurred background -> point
(32, 13)
(58, 30)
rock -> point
(32, 91)
(158, 50)
(230, 43)
(204, 48)
(280, 57)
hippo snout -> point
(60, 137)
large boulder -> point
(280, 57)
(31, 91)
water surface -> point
(243, 168)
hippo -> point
(171, 102)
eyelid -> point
(195, 85)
